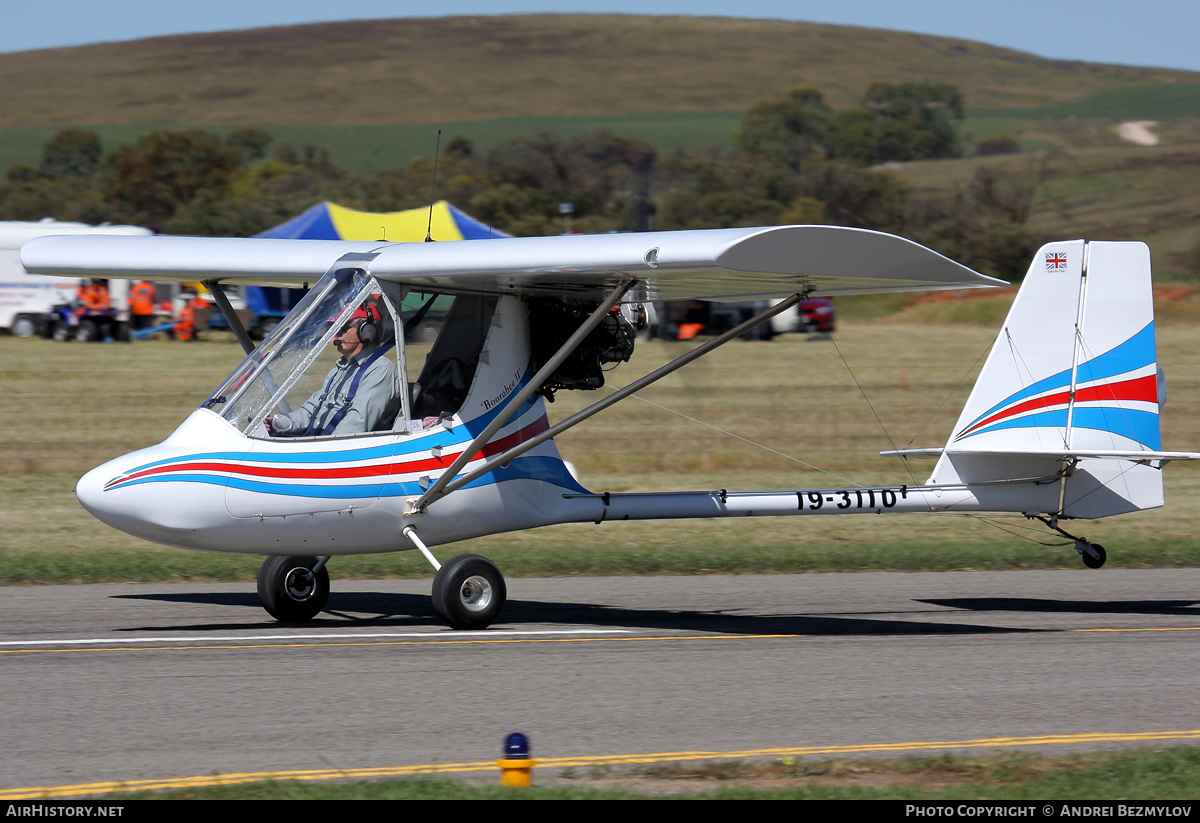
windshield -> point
(273, 377)
(336, 365)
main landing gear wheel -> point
(290, 590)
(469, 592)
(1092, 554)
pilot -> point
(360, 393)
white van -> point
(25, 298)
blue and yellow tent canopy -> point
(329, 221)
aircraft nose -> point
(107, 508)
(126, 494)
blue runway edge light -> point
(516, 746)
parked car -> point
(819, 314)
(684, 319)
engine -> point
(552, 322)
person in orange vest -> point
(93, 296)
(95, 305)
(141, 304)
(83, 296)
(185, 323)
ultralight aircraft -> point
(1062, 423)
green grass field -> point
(68, 407)
(367, 148)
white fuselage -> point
(210, 486)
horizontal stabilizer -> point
(1101, 454)
(916, 454)
(1062, 454)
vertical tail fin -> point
(1072, 375)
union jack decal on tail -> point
(1056, 261)
(1116, 392)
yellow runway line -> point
(111, 787)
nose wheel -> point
(293, 589)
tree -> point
(915, 121)
(163, 170)
(260, 197)
(982, 226)
(715, 190)
(789, 130)
(852, 136)
(857, 197)
(460, 148)
(251, 143)
(605, 176)
(523, 211)
(71, 153)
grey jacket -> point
(373, 407)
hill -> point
(374, 91)
(435, 70)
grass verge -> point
(1165, 774)
(68, 407)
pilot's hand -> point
(269, 422)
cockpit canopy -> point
(296, 383)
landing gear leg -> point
(468, 590)
(1092, 554)
(293, 589)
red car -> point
(819, 314)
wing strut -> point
(601, 405)
(235, 322)
(438, 489)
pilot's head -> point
(361, 331)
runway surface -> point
(165, 682)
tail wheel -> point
(469, 592)
(290, 590)
(1098, 560)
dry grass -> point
(433, 70)
(68, 407)
(1103, 190)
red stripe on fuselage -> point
(348, 472)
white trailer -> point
(24, 297)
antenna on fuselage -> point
(433, 189)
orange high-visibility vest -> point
(185, 326)
(94, 298)
(141, 298)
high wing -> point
(716, 264)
